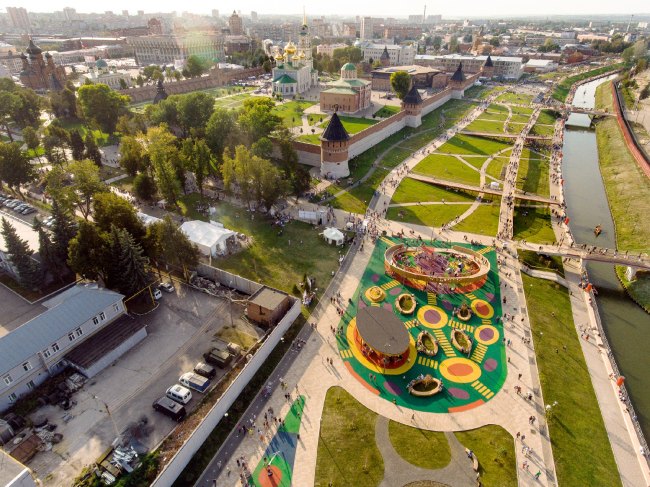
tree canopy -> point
(101, 105)
(400, 81)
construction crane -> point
(629, 24)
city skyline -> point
(339, 8)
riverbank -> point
(564, 88)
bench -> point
(474, 459)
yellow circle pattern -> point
(460, 379)
(375, 294)
(442, 321)
(487, 315)
(495, 337)
(372, 367)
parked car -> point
(20, 208)
(29, 210)
(157, 294)
(194, 381)
(219, 357)
(170, 408)
(179, 394)
(166, 286)
(207, 371)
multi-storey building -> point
(504, 66)
(236, 25)
(75, 324)
(348, 94)
(402, 32)
(398, 55)
(168, 49)
(19, 17)
(366, 29)
(328, 49)
(39, 72)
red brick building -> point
(40, 73)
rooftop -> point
(268, 298)
(335, 131)
(383, 331)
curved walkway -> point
(398, 472)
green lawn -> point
(494, 168)
(232, 101)
(292, 112)
(547, 117)
(309, 138)
(492, 114)
(448, 168)
(515, 128)
(522, 111)
(488, 92)
(357, 199)
(539, 129)
(458, 111)
(428, 215)
(422, 448)
(124, 183)
(386, 111)
(485, 126)
(474, 91)
(562, 90)
(515, 98)
(494, 448)
(535, 171)
(347, 444)
(628, 189)
(395, 156)
(551, 263)
(484, 220)
(102, 138)
(466, 144)
(412, 191)
(271, 258)
(432, 119)
(354, 125)
(477, 161)
(533, 224)
(417, 141)
(519, 118)
(639, 289)
(581, 448)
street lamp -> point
(119, 437)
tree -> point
(168, 243)
(139, 80)
(15, 168)
(102, 105)
(263, 148)
(88, 252)
(376, 64)
(194, 111)
(77, 145)
(400, 81)
(111, 209)
(301, 180)
(31, 140)
(144, 187)
(9, 105)
(266, 66)
(49, 257)
(645, 92)
(63, 229)
(162, 151)
(195, 66)
(123, 85)
(257, 120)
(29, 110)
(640, 48)
(289, 156)
(132, 275)
(468, 38)
(58, 188)
(165, 112)
(177, 75)
(628, 54)
(640, 66)
(186, 73)
(196, 158)
(494, 41)
(87, 184)
(270, 187)
(132, 155)
(92, 151)
(29, 273)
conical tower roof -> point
(33, 48)
(488, 62)
(161, 94)
(413, 97)
(458, 75)
(55, 84)
(385, 55)
(335, 131)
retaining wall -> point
(242, 284)
(179, 461)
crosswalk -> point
(482, 389)
(386, 241)
(428, 362)
(486, 322)
(486, 250)
(432, 299)
(444, 343)
(346, 354)
(410, 324)
(390, 285)
(461, 326)
(478, 353)
(375, 304)
(471, 296)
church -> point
(105, 75)
(40, 73)
(294, 72)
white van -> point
(179, 394)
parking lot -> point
(179, 331)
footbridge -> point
(504, 135)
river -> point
(626, 325)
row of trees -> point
(18, 105)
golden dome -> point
(290, 49)
(295, 57)
(302, 55)
(279, 57)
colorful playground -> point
(422, 328)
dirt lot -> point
(179, 332)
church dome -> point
(295, 57)
(215, 60)
(279, 57)
(33, 48)
(291, 48)
(302, 55)
(101, 64)
(349, 67)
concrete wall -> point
(227, 279)
(111, 357)
(374, 134)
(176, 465)
(307, 153)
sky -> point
(378, 8)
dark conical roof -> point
(488, 62)
(413, 97)
(55, 84)
(335, 131)
(458, 75)
(161, 94)
(385, 55)
(33, 48)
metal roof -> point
(335, 131)
(413, 97)
(81, 304)
(268, 298)
(341, 91)
(285, 80)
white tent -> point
(147, 219)
(333, 235)
(494, 185)
(210, 238)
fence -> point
(242, 284)
(179, 461)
